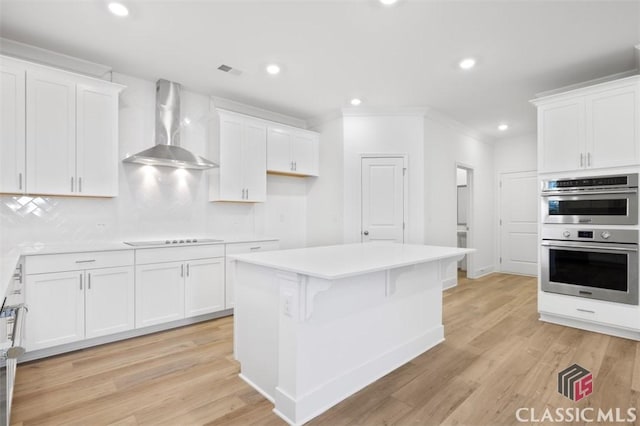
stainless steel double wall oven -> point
(599, 262)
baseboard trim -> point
(591, 326)
(96, 341)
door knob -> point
(366, 232)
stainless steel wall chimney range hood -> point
(167, 151)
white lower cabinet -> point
(178, 282)
(66, 307)
(159, 293)
(109, 301)
(203, 290)
(240, 248)
(56, 309)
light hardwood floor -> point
(497, 357)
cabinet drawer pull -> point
(85, 261)
(585, 311)
(255, 248)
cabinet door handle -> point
(89, 281)
(71, 183)
(588, 159)
(247, 193)
(80, 281)
(581, 159)
(295, 166)
(187, 269)
(292, 166)
(182, 270)
(243, 193)
(20, 181)
(79, 184)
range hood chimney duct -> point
(167, 151)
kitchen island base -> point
(306, 343)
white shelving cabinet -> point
(239, 146)
(173, 283)
(292, 151)
(59, 132)
(77, 296)
(590, 128)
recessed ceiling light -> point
(355, 101)
(388, 2)
(273, 69)
(467, 63)
(118, 9)
(502, 127)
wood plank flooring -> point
(497, 357)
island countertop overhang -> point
(348, 260)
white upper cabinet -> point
(59, 132)
(292, 151)
(593, 127)
(12, 130)
(51, 133)
(97, 140)
(612, 118)
(239, 146)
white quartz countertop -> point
(85, 246)
(342, 261)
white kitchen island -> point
(315, 325)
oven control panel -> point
(598, 235)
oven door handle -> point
(599, 247)
(588, 192)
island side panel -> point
(339, 336)
(256, 326)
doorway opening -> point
(464, 225)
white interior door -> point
(519, 223)
(383, 199)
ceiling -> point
(331, 51)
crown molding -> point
(239, 107)
(42, 56)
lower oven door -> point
(603, 271)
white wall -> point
(383, 134)
(325, 194)
(516, 154)
(446, 146)
(155, 202)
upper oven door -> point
(596, 207)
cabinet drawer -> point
(44, 263)
(177, 254)
(239, 248)
(617, 314)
